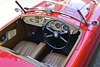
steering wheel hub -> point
(56, 34)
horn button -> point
(56, 34)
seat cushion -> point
(54, 59)
(38, 50)
(25, 48)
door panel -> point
(16, 26)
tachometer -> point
(58, 26)
(66, 28)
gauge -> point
(65, 27)
(42, 21)
(38, 17)
(52, 23)
(58, 26)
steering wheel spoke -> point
(63, 39)
(63, 33)
(49, 29)
(49, 35)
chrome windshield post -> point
(83, 19)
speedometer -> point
(66, 28)
(58, 26)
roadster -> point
(56, 33)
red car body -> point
(86, 47)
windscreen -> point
(54, 5)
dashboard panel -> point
(41, 20)
(37, 21)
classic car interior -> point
(41, 40)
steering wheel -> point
(56, 34)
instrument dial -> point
(52, 23)
(58, 26)
(66, 27)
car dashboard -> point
(41, 20)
